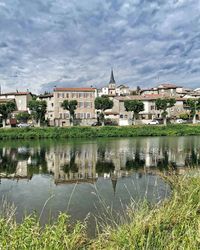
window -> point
(60, 115)
(121, 116)
(152, 107)
(51, 104)
(88, 115)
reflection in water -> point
(85, 162)
(115, 169)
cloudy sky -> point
(47, 43)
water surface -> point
(79, 174)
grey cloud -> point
(43, 42)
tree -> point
(38, 110)
(194, 106)
(6, 110)
(71, 106)
(102, 103)
(184, 116)
(164, 104)
(135, 106)
(23, 116)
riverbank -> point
(93, 132)
(174, 224)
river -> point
(84, 177)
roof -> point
(122, 86)
(5, 100)
(75, 89)
(167, 86)
(146, 97)
(112, 79)
(45, 96)
(16, 93)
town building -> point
(20, 98)
(122, 117)
(85, 113)
(112, 89)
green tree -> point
(194, 106)
(135, 106)
(23, 116)
(38, 110)
(71, 106)
(164, 104)
(184, 116)
(102, 103)
(6, 110)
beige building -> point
(85, 112)
(20, 98)
(150, 112)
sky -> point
(75, 43)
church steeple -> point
(112, 79)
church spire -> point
(112, 79)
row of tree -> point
(38, 109)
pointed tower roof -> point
(112, 79)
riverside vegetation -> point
(105, 131)
(173, 224)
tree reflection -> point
(104, 167)
(192, 159)
(71, 166)
(8, 162)
(38, 163)
(135, 163)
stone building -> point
(85, 112)
(150, 112)
(20, 98)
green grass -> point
(173, 224)
(92, 132)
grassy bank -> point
(92, 132)
(174, 224)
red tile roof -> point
(17, 93)
(146, 97)
(167, 86)
(75, 89)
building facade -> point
(85, 113)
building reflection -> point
(86, 162)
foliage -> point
(30, 235)
(7, 109)
(164, 104)
(194, 106)
(71, 107)
(135, 106)
(184, 116)
(102, 103)
(23, 116)
(92, 132)
(38, 109)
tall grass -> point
(173, 224)
(91, 132)
(30, 235)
